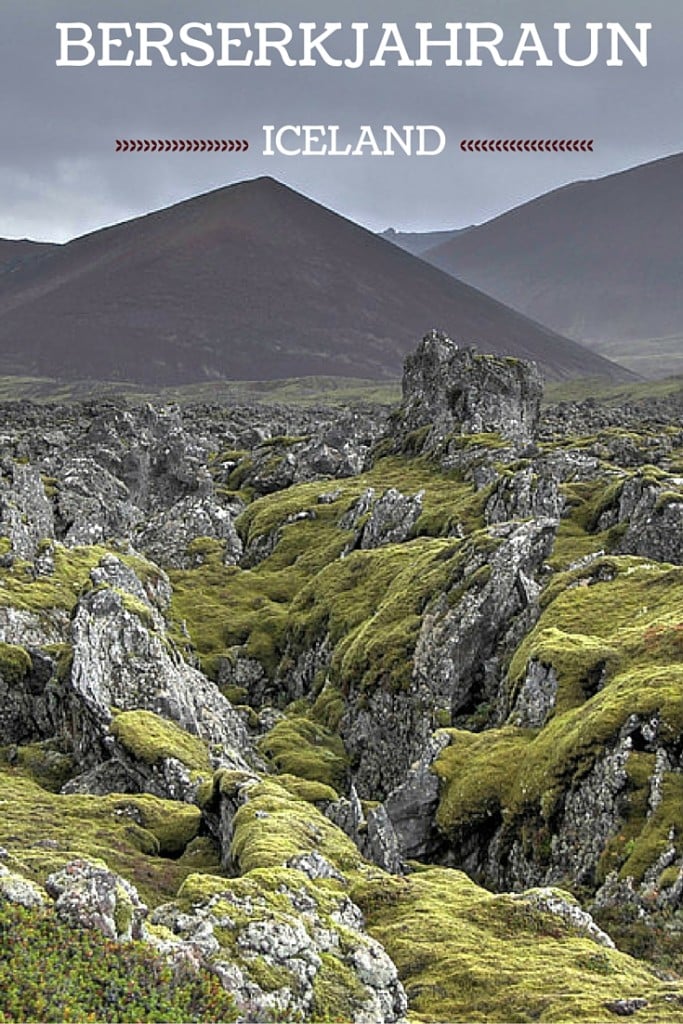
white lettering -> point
(311, 44)
(67, 43)
(422, 131)
(187, 39)
(160, 45)
(426, 44)
(391, 42)
(265, 43)
(639, 50)
(477, 43)
(530, 42)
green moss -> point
(371, 605)
(15, 663)
(328, 708)
(151, 738)
(464, 954)
(45, 763)
(51, 486)
(60, 590)
(336, 990)
(134, 835)
(615, 627)
(310, 791)
(654, 837)
(476, 769)
(299, 746)
(262, 610)
(273, 826)
(134, 606)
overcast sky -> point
(60, 176)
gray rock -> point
(412, 805)
(391, 520)
(452, 390)
(290, 937)
(26, 515)
(535, 700)
(626, 1007)
(16, 889)
(167, 534)
(88, 895)
(122, 658)
(654, 514)
(562, 905)
(524, 494)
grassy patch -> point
(275, 826)
(49, 971)
(299, 746)
(464, 954)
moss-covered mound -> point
(140, 837)
(303, 586)
(465, 954)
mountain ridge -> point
(598, 260)
(252, 281)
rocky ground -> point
(363, 716)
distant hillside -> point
(419, 242)
(14, 252)
(599, 261)
(250, 282)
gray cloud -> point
(60, 176)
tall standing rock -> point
(456, 390)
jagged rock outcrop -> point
(295, 937)
(653, 513)
(524, 494)
(389, 519)
(88, 895)
(470, 658)
(24, 700)
(26, 515)
(449, 390)
(459, 657)
(122, 658)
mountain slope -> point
(600, 261)
(16, 251)
(419, 242)
(253, 281)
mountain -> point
(419, 242)
(14, 252)
(253, 281)
(599, 261)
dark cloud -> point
(59, 174)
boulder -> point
(453, 390)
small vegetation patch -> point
(135, 835)
(299, 746)
(274, 826)
(49, 971)
(151, 738)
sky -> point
(60, 175)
